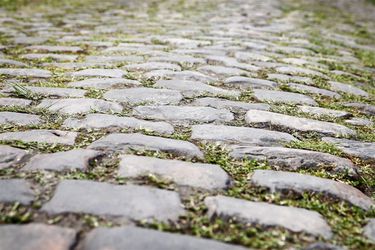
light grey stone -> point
(113, 73)
(300, 183)
(53, 48)
(41, 136)
(314, 90)
(292, 218)
(183, 173)
(222, 71)
(12, 62)
(249, 83)
(150, 66)
(242, 135)
(369, 230)
(290, 70)
(296, 123)
(14, 102)
(144, 95)
(71, 106)
(100, 121)
(323, 246)
(283, 97)
(127, 201)
(230, 105)
(16, 190)
(10, 156)
(55, 92)
(55, 57)
(362, 107)
(36, 237)
(288, 78)
(104, 83)
(251, 56)
(360, 122)
(60, 161)
(294, 159)
(139, 239)
(20, 119)
(36, 73)
(30, 40)
(346, 88)
(114, 59)
(316, 111)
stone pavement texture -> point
(210, 124)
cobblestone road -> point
(226, 124)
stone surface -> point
(10, 156)
(125, 142)
(183, 173)
(183, 113)
(52, 48)
(323, 246)
(140, 239)
(369, 230)
(296, 123)
(314, 90)
(41, 136)
(363, 107)
(101, 121)
(104, 83)
(127, 201)
(16, 190)
(300, 183)
(72, 106)
(36, 73)
(114, 73)
(55, 57)
(359, 122)
(348, 89)
(249, 83)
(316, 111)
(14, 102)
(69, 160)
(144, 95)
(243, 135)
(264, 214)
(57, 92)
(294, 159)
(283, 97)
(19, 119)
(363, 150)
(230, 105)
(36, 237)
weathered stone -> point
(29, 40)
(360, 122)
(316, 111)
(10, 156)
(363, 150)
(36, 237)
(41, 136)
(296, 123)
(12, 63)
(51, 48)
(79, 105)
(54, 92)
(231, 105)
(346, 88)
(193, 88)
(69, 160)
(288, 78)
(104, 83)
(125, 142)
(323, 246)
(149, 66)
(113, 73)
(294, 159)
(14, 102)
(292, 218)
(243, 135)
(144, 95)
(249, 83)
(214, 70)
(283, 97)
(139, 239)
(363, 107)
(183, 173)
(183, 113)
(114, 59)
(300, 183)
(127, 201)
(369, 230)
(251, 56)
(55, 57)
(299, 71)
(314, 90)
(100, 121)
(37, 73)
(16, 190)
(20, 119)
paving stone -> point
(300, 183)
(10, 156)
(283, 97)
(113, 73)
(359, 122)
(52, 48)
(193, 88)
(294, 159)
(369, 230)
(292, 218)
(190, 60)
(314, 90)
(231, 105)
(16, 190)
(296, 123)
(316, 111)
(69, 160)
(243, 135)
(136, 96)
(183, 113)
(30, 40)
(41, 136)
(54, 92)
(362, 107)
(363, 150)
(149, 66)
(288, 78)
(36, 237)
(14, 102)
(103, 199)
(104, 83)
(251, 56)
(12, 63)
(72, 106)
(346, 88)
(183, 173)
(55, 57)
(37, 73)
(323, 246)
(125, 142)
(100, 121)
(139, 239)
(290, 70)
(114, 59)
(214, 70)
(19, 119)
(249, 83)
